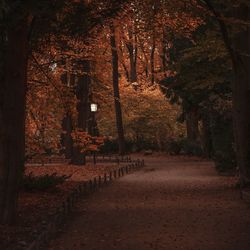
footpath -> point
(172, 203)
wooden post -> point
(80, 189)
(95, 183)
(64, 208)
(85, 188)
(68, 204)
(90, 185)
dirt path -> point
(171, 204)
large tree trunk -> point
(239, 50)
(241, 94)
(118, 110)
(12, 120)
(82, 93)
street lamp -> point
(93, 109)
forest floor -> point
(173, 203)
(36, 206)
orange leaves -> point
(86, 142)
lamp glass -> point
(93, 107)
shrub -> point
(223, 141)
(43, 182)
(174, 147)
(183, 146)
(191, 148)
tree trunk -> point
(82, 93)
(12, 120)
(164, 53)
(206, 137)
(67, 126)
(118, 110)
(152, 61)
(132, 50)
(192, 124)
(241, 95)
(67, 141)
(239, 50)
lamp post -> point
(93, 109)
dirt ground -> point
(172, 203)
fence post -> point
(99, 181)
(95, 183)
(90, 185)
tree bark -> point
(67, 141)
(82, 94)
(12, 120)
(152, 61)
(133, 51)
(118, 110)
(164, 53)
(67, 126)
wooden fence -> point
(84, 189)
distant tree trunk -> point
(82, 94)
(164, 53)
(152, 61)
(67, 141)
(118, 110)
(133, 51)
(67, 126)
(12, 120)
(133, 64)
(241, 94)
(123, 63)
(145, 58)
(206, 137)
(192, 124)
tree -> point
(233, 20)
(19, 20)
(83, 106)
(12, 116)
(115, 69)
